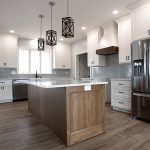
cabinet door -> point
(1, 93)
(92, 46)
(61, 56)
(1, 51)
(124, 40)
(10, 45)
(86, 112)
(58, 57)
(7, 92)
(67, 57)
(140, 22)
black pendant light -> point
(51, 35)
(41, 40)
(67, 25)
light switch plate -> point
(87, 88)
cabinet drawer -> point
(121, 84)
(121, 102)
(121, 92)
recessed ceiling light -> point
(83, 28)
(12, 31)
(115, 12)
(61, 39)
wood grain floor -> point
(20, 130)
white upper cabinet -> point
(61, 56)
(93, 39)
(124, 39)
(80, 47)
(8, 51)
(140, 22)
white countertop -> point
(67, 83)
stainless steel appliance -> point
(141, 79)
(20, 89)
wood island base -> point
(72, 113)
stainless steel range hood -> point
(109, 42)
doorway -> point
(82, 69)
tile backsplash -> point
(112, 70)
(6, 73)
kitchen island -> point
(73, 110)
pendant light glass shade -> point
(41, 41)
(51, 35)
(67, 25)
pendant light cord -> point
(51, 16)
(67, 8)
(41, 29)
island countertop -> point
(64, 83)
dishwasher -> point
(20, 89)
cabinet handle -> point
(126, 57)
(121, 84)
(121, 92)
(5, 64)
(120, 102)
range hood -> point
(109, 43)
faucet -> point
(36, 75)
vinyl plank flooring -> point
(20, 130)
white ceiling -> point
(22, 15)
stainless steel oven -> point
(20, 89)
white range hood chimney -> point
(109, 42)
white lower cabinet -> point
(6, 91)
(121, 94)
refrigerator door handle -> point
(146, 66)
(141, 95)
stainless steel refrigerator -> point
(141, 79)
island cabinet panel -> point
(85, 113)
(72, 113)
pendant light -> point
(67, 25)
(51, 35)
(41, 40)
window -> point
(23, 61)
(32, 60)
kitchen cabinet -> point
(61, 56)
(93, 38)
(73, 113)
(8, 50)
(6, 91)
(121, 94)
(124, 39)
(140, 22)
(80, 47)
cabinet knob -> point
(121, 84)
(120, 102)
(5, 64)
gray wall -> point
(112, 70)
